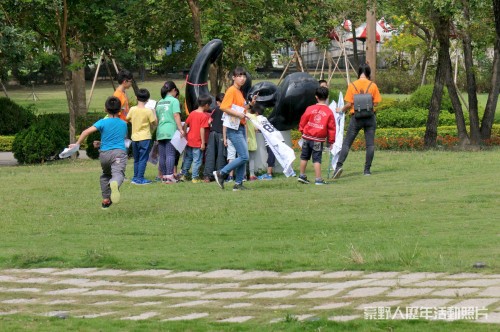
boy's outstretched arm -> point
(84, 135)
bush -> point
(82, 122)
(92, 152)
(422, 98)
(41, 142)
(6, 143)
(397, 81)
(14, 117)
(405, 115)
(387, 103)
(413, 139)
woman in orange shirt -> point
(369, 124)
(234, 96)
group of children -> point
(226, 150)
(207, 140)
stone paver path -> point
(238, 296)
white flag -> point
(283, 153)
(339, 133)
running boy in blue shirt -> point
(113, 154)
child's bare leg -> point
(303, 164)
(317, 170)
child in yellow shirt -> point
(142, 120)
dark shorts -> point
(312, 148)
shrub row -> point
(410, 138)
(6, 143)
(14, 117)
(416, 143)
(82, 122)
(47, 136)
(404, 115)
(42, 141)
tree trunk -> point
(425, 60)
(471, 78)
(457, 107)
(371, 40)
(355, 48)
(213, 76)
(194, 6)
(491, 104)
(68, 88)
(442, 26)
(268, 59)
(78, 83)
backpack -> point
(363, 103)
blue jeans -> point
(140, 150)
(239, 140)
(192, 156)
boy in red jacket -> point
(317, 125)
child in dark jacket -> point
(317, 126)
(215, 154)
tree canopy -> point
(133, 32)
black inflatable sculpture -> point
(289, 100)
(197, 80)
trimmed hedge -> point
(404, 115)
(6, 143)
(409, 138)
(41, 142)
(92, 152)
(14, 117)
(47, 137)
(413, 138)
(82, 122)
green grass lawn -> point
(420, 211)
(425, 211)
(52, 98)
(42, 324)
